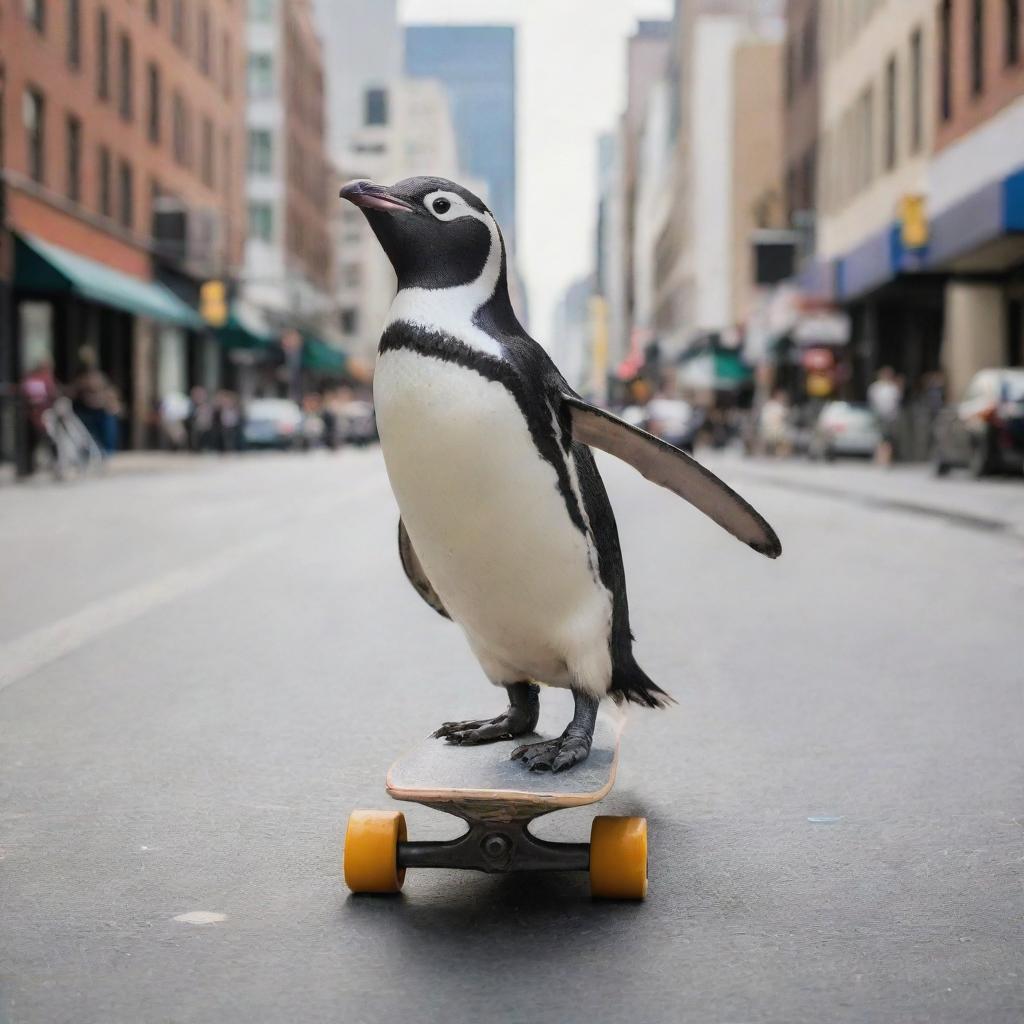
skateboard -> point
(498, 798)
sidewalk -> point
(121, 464)
(995, 504)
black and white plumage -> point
(506, 526)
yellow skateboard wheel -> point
(371, 851)
(618, 858)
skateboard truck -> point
(497, 800)
(378, 852)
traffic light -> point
(913, 222)
(213, 303)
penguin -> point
(505, 524)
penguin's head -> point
(437, 234)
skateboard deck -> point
(483, 783)
(498, 798)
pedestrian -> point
(773, 425)
(885, 395)
(40, 390)
(200, 419)
(227, 422)
(175, 409)
(90, 393)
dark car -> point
(985, 432)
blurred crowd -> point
(983, 432)
(72, 423)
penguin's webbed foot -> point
(518, 719)
(553, 755)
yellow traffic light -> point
(913, 222)
(213, 303)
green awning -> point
(241, 333)
(320, 357)
(44, 267)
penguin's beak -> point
(373, 197)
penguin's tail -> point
(631, 683)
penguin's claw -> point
(507, 726)
(553, 755)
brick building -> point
(122, 147)
(976, 184)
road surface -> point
(204, 669)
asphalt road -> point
(204, 670)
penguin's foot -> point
(553, 755)
(571, 747)
(507, 726)
(519, 719)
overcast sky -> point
(571, 87)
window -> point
(73, 151)
(153, 103)
(34, 115)
(127, 92)
(74, 38)
(977, 47)
(353, 275)
(228, 169)
(105, 197)
(207, 156)
(226, 69)
(350, 320)
(946, 59)
(179, 127)
(126, 197)
(1011, 27)
(376, 106)
(261, 221)
(178, 23)
(891, 99)
(261, 156)
(153, 10)
(261, 10)
(916, 95)
(867, 138)
(103, 54)
(809, 60)
(261, 75)
(789, 57)
(35, 11)
(204, 41)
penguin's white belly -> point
(490, 527)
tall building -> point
(477, 66)
(288, 256)
(725, 158)
(404, 130)
(122, 139)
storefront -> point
(136, 331)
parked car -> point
(844, 428)
(272, 423)
(985, 432)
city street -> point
(206, 664)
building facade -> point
(122, 149)
(976, 185)
(288, 256)
(406, 130)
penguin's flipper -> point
(414, 571)
(666, 465)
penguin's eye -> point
(441, 205)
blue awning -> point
(44, 267)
